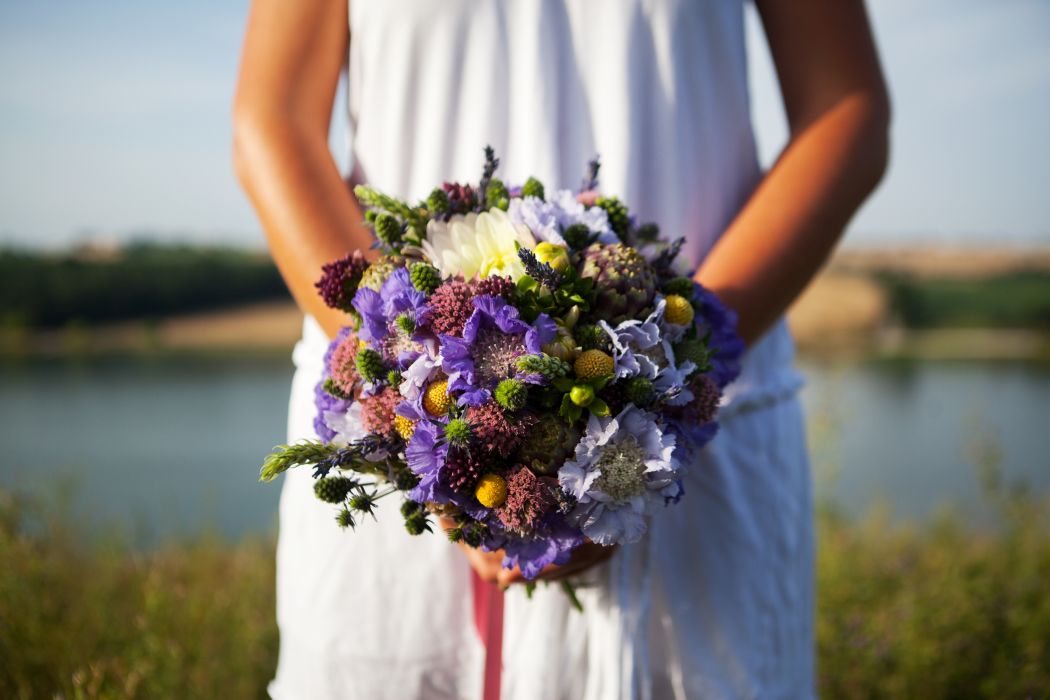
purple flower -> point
(623, 468)
(380, 311)
(718, 319)
(493, 338)
(547, 219)
(425, 455)
(552, 544)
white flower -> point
(477, 245)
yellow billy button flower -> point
(678, 310)
(491, 491)
(404, 427)
(436, 399)
(591, 364)
(557, 256)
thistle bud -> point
(333, 489)
(497, 196)
(437, 202)
(532, 188)
(388, 229)
(512, 394)
(369, 364)
(425, 278)
(578, 236)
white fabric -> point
(717, 601)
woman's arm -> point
(838, 111)
(293, 55)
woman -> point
(717, 602)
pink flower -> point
(529, 498)
(377, 411)
(495, 433)
(588, 197)
(341, 365)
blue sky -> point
(114, 120)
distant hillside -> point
(144, 280)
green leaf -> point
(599, 408)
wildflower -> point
(623, 468)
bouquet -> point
(529, 365)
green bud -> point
(331, 389)
(404, 479)
(512, 394)
(333, 489)
(619, 220)
(393, 377)
(496, 195)
(647, 233)
(532, 188)
(592, 337)
(417, 523)
(457, 431)
(345, 518)
(695, 351)
(388, 229)
(581, 395)
(638, 390)
(578, 236)
(406, 324)
(363, 503)
(549, 367)
(370, 216)
(682, 286)
(369, 365)
(425, 278)
(455, 534)
(437, 202)
(410, 507)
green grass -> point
(939, 611)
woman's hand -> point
(838, 110)
(489, 565)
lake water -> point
(155, 447)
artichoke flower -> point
(624, 281)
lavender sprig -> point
(662, 262)
(590, 181)
(541, 272)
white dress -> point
(717, 602)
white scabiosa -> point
(623, 469)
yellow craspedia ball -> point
(491, 490)
(678, 310)
(404, 427)
(436, 399)
(591, 364)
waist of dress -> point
(767, 376)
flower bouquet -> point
(530, 366)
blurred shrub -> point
(140, 281)
(1017, 300)
(932, 613)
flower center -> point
(622, 467)
(397, 342)
(494, 355)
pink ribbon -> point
(488, 618)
